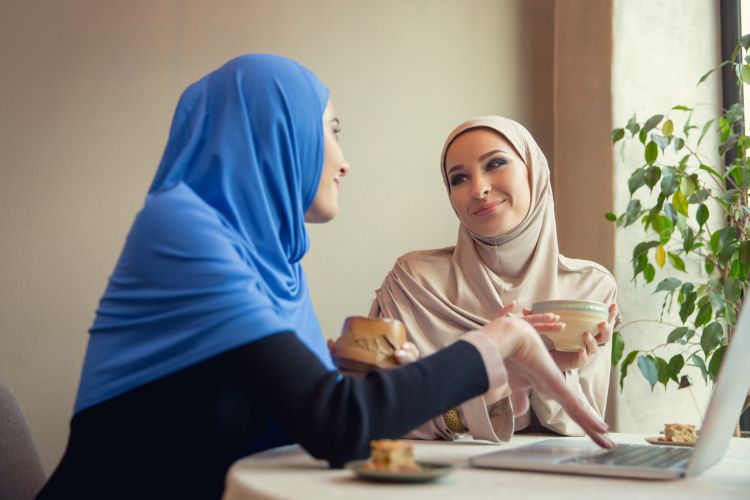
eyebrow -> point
(481, 158)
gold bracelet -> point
(454, 422)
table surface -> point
(289, 472)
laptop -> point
(571, 456)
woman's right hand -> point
(530, 366)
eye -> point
(458, 179)
(336, 131)
(495, 163)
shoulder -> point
(419, 261)
(587, 269)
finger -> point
(591, 344)
(605, 333)
(331, 344)
(506, 309)
(542, 318)
(548, 327)
(411, 349)
(526, 311)
(404, 357)
(612, 312)
(520, 403)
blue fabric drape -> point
(212, 261)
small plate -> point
(429, 472)
(662, 441)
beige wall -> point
(86, 98)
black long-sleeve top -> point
(176, 437)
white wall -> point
(661, 48)
(86, 97)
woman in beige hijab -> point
(506, 257)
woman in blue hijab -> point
(206, 347)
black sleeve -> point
(333, 416)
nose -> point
(344, 169)
(480, 188)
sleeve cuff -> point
(493, 361)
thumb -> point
(520, 403)
(505, 310)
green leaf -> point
(688, 240)
(705, 129)
(633, 126)
(624, 366)
(699, 196)
(698, 361)
(679, 143)
(617, 134)
(701, 215)
(651, 176)
(715, 364)
(688, 184)
(680, 107)
(648, 273)
(636, 180)
(663, 226)
(704, 314)
(703, 78)
(687, 307)
(610, 216)
(675, 366)
(745, 42)
(709, 266)
(680, 203)
(711, 337)
(733, 289)
(667, 284)
(618, 346)
(744, 254)
(632, 212)
(662, 368)
(676, 261)
(667, 128)
(649, 370)
(745, 73)
(643, 247)
(652, 122)
(676, 335)
(713, 172)
(652, 151)
(669, 181)
(660, 141)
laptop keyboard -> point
(637, 456)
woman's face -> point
(489, 182)
(325, 206)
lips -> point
(487, 208)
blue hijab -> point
(212, 261)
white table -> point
(289, 472)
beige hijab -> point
(441, 294)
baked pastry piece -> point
(680, 433)
(391, 456)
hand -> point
(408, 353)
(530, 366)
(573, 360)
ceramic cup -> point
(579, 316)
(368, 344)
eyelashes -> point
(493, 164)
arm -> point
(342, 414)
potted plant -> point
(677, 196)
